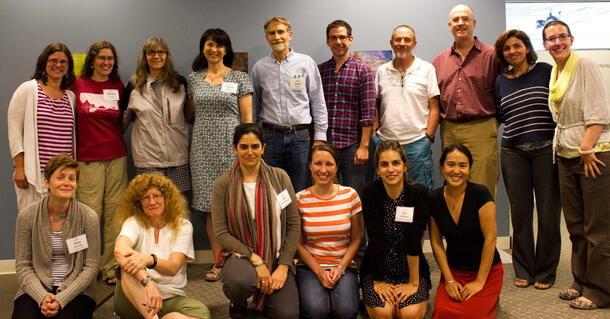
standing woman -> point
(580, 106)
(57, 279)
(101, 151)
(220, 99)
(331, 234)
(256, 222)
(155, 99)
(522, 96)
(465, 214)
(41, 121)
(395, 276)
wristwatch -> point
(430, 138)
(145, 281)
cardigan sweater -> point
(33, 252)
(585, 103)
(291, 222)
(23, 130)
(373, 198)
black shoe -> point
(238, 312)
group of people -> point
(315, 126)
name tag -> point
(284, 199)
(404, 214)
(229, 87)
(77, 243)
(297, 84)
(111, 95)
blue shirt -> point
(278, 99)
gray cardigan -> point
(291, 222)
(33, 252)
(585, 103)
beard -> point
(278, 47)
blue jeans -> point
(289, 151)
(315, 301)
(350, 174)
(419, 157)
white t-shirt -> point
(143, 241)
(250, 193)
(405, 108)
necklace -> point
(58, 218)
(213, 77)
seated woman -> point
(394, 274)
(256, 223)
(55, 279)
(155, 241)
(330, 238)
(465, 214)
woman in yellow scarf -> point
(580, 106)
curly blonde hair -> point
(175, 207)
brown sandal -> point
(212, 275)
(582, 303)
(569, 294)
(521, 283)
(542, 285)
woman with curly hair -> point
(101, 151)
(41, 121)
(155, 241)
(154, 100)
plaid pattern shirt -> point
(350, 100)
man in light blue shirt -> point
(287, 100)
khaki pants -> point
(100, 186)
(481, 138)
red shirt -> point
(467, 86)
(98, 131)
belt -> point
(285, 128)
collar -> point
(286, 58)
(391, 66)
(477, 45)
(348, 61)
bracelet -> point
(591, 151)
(154, 264)
(342, 269)
(258, 264)
(449, 282)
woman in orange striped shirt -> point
(332, 230)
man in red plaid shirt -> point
(349, 90)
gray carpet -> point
(514, 302)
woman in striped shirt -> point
(41, 121)
(332, 230)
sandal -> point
(213, 274)
(543, 286)
(521, 283)
(569, 294)
(582, 303)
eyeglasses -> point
(104, 58)
(55, 61)
(156, 52)
(562, 37)
(338, 37)
(148, 198)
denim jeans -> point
(350, 174)
(289, 151)
(419, 157)
(315, 301)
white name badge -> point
(111, 95)
(77, 243)
(297, 84)
(284, 199)
(229, 87)
(404, 214)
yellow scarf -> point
(558, 85)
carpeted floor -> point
(514, 302)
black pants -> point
(80, 307)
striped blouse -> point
(55, 123)
(59, 262)
(326, 223)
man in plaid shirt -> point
(349, 91)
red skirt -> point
(480, 306)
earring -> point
(44, 74)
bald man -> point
(466, 74)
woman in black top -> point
(395, 276)
(465, 214)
